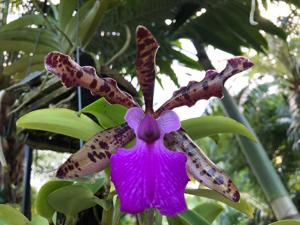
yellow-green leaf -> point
(286, 222)
(209, 125)
(242, 206)
(61, 121)
(11, 216)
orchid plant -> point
(153, 174)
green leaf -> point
(184, 59)
(39, 220)
(61, 121)
(22, 64)
(286, 222)
(94, 184)
(11, 216)
(71, 199)
(25, 46)
(189, 217)
(92, 20)
(108, 115)
(66, 9)
(42, 206)
(209, 125)
(209, 211)
(32, 35)
(23, 21)
(165, 68)
(242, 206)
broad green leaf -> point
(61, 121)
(108, 115)
(2, 222)
(39, 220)
(209, 211)
(242, 206)
(286, 222)
(209, 125)
(71, 199)
(42, 206)
(25, 46)
(189, 217)
(11, 216)
(94, 184)
(22, 64)
(24, 21)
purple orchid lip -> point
(149, 175)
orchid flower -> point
(153, 173)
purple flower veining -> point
(149, 175)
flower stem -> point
(149, 217)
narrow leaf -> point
(242, 206)
(211, 85)
(65, 10)
(23, 21)
(44, 36)
(201, 167)
(61, 121)
(91, 21)
(73, 74)
(145, 64)
(209, 125)
(22, 64)
(95, 155)
(25, 46)
(189, 217)
(209, 211)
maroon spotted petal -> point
(145, 64)
(211, 85)
(95, 155)
(73, 74)
(200, 166)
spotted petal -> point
(211, 85)
(73, 74)
(145, 64)
(150, 176)
(95, 155)
(201, 167)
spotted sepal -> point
(95, 155)
(145, 64)
(72, 74)
(201, 167)
(211, 85)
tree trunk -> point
(276, 194)
(294, 129)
